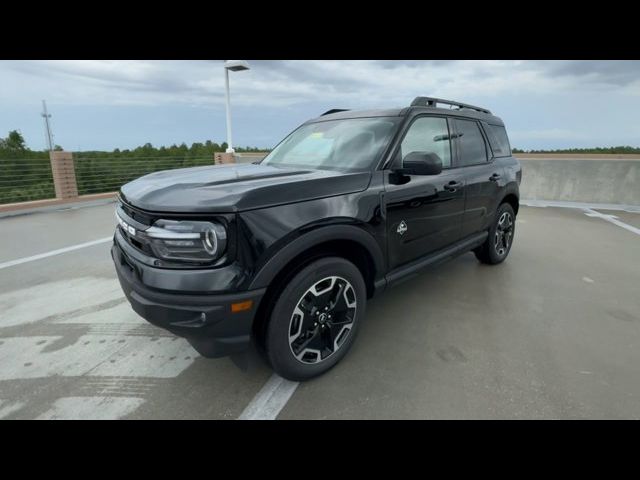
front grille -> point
(139, 221)
(137, 243)
(137, 215)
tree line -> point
(14, 147)
(604, 150)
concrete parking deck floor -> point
(554, 332)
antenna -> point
(47, 127)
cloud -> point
(283, 83)
(541, 100)
(609, 72)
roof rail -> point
(334, 110)
(432, 102)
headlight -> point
(187, 240)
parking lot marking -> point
(270, 400)
(7, 408)
(65, 300)
(611, 219)
(91, 408)
(580, 205)
(40, 256)
(94, 355)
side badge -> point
(402, 228)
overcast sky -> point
(102, 105)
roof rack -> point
(432, 102)
(334, 110)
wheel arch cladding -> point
(367, 257)
(512, 200)
(349, 242)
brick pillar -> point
(220, 158)
(64, 174)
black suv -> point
(287, 251)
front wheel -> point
(315, 319)
(498, 244)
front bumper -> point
(205, 320)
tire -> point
(303, 339)
(500, 239)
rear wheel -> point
(498, 244)
(315, 319)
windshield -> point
(351, 144)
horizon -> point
(243, 148)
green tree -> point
(25, 175)
(14, 142)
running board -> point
(441, 256)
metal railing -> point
(25, 179)
(108, 174)
(28, 179)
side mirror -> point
(421, 163)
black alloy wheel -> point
(322, 319)
(315, 318)
(500, 237)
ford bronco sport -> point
(286, 252)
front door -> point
(424, 212)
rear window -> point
(498, 140)
(473, 149)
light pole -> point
(234, 66)
(46, 115)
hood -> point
(232, 188)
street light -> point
(234, 66)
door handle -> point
(495, 177)
(452, 186)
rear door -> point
(484, 177)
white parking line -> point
(7, 408)
(91, 408)
(270, 400)
(611, 219)
(84, 296)
(581, 205)
(19, 261)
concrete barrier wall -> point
(591, 179)
(596, 178)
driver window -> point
(431, 135)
